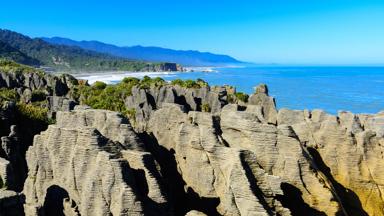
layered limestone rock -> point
(146, 101)
(54, 85)
(267, 103)
(12, 164)
(80, 166)
(16, 132)
(348, 150)
(237, 159)
(327, 164)
(279, 152)
(212, 169)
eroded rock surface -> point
(146, 101)
(236, 159)
(84, 159)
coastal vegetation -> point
(8, 95)
(99, 95)
(241, 96)
(199, 83)
(32, 111)
(237, 96)
(9, 66)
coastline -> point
(113, 77)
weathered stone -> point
(226, 173)
(91, 168)
(267, 103)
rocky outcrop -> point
(348, 151)
(16, 134)
(81, 166)
(12, 162)
(178, 158)
(16, 129)
(146, 101)
(266, 103)
(211, 168)
(324, 164)
(56, 104)
(54, 85)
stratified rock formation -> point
(146, 101)
(16, 130)
(188, 151)
(85, 158)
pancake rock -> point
(146, 101)
(80, 166)
(238, 158)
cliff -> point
(190, 150)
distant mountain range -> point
(156, 54)
(37, 52)
(63, 54)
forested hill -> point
(23, 49)
(9, 53)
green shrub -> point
(178, 82)
(131, 114)
(242, 96)
(99, 85)
(8, 95)
(158, 82)
(191, 84)
(13, 67)
(201, 82)
(147, 82)
(133, 80)
(205, 108)
(32, 112)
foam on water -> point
(114, 77)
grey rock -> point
(267, 103)
(86, 154)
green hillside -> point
(30, 51)
(10, 53)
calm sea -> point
(356, 89)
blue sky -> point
(261, 31)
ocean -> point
(355, 89)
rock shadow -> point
(54, 200)
(181, 201)
(292, 199)
(253, 182)
(182, 101)
(349, 200)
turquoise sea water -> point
(356, 89)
